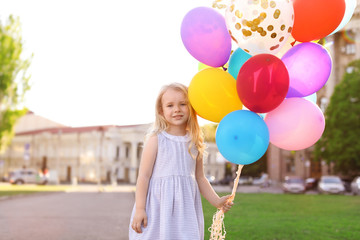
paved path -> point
(67, 216)
(82, 213)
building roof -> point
(63, 130)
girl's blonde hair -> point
(192, 127)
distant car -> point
(331, 184)
(347, 185)
(21, 176)
(293, 184)
(245, 180)
(311, 183)
(262, 181)
(355, 186)
(226, 180)
(211, 179)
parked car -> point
(226, 180)
(293, 184)
(211, 179)
(311, 183)
(355, 186)
(245, 180)
(331, 184)
(262, 181)
(21, 176)
(347, 185)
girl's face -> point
(175, 108)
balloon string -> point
(216, 229)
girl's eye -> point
(169, 105)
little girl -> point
(171, 175)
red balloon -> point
(315, 19)
(262, 83)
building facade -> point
(84, 154)
(344, 47)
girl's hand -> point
(139, 218)
(225, 204)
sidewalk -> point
(87, 215)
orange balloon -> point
(315, 19)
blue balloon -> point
(242, 137)
(237, 59)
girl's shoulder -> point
(151, 139)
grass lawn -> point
(283, 216)
(11, 193)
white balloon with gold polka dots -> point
(260, 26)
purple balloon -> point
(205, 36)
(309, 67)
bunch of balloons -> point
(266, 76)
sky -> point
(102, 62)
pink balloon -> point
(295, 124)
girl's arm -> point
(207, 190)
(145, 171)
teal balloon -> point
(237, 59)
(262, 115)
(242, 137)
(312, 98)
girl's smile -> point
(175, 108)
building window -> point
(117, 156)
(127, 152)
(290, 165)
(139, 150)
(350, 49)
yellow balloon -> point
(213, 94)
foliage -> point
(340, 143)
(14, 80)
(209, 131)
(255, 169)
(282, 216)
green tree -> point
(340, 143)
(14, 80)
(209, 131)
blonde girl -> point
(171, 174)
